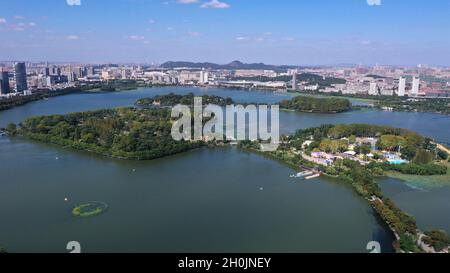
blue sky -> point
(403, 32)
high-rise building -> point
(20, 75)
(46, 71)
(90, 71)
(294, 81)
(204, 77)
(401, 87)
(373, 89)
(4, 83)
(415, 87)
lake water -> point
(222, 200)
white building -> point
(294, 81)
(204, 77)
(373, 89)
(415, 87)
(401, 87)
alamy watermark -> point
(238, 123)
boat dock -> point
(307, 173)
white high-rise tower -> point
(204, 77)
(415, 87)
(401, 87)
(294, 81)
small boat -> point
(302, 174)
(312, 176)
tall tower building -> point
(294, 81)
(4, 82)
(46, 71)
(20, 75)
(401, 87)
(415, 87)
(204, 77)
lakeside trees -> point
(438, 239)
(123, 133)
(9, 103)
(318, 105)
(300, 103)
(173, 99)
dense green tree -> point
(407, 243)
(438, 239)
(11, 129)
(423, 157)
(363, 149)
(391, 142)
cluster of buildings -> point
(327, 158)
(23, 78)
(417, 81)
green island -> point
(174, 99)
(126, 133)
(316, 105)
(89, 209)
(356, 154)
(299, 103)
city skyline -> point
(292, 32)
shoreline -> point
(97, 90)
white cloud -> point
(289, 39)
(2, 21)
(216, 4)
(170, 28)
(19, 17)
(187, 1)
(72, 37)
(241, 38)
(32, 24)
(374, 2)
(136, 38)
(151, 21)
(73, 2)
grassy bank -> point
(423, 182)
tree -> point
(423, 157)
(407, 243)
(352, 139)
(391, 142)
(438, 239)
(363, 149)
(11, 129)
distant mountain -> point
(232, 65)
